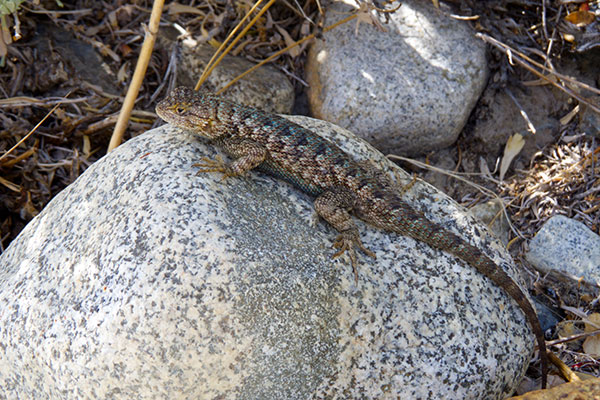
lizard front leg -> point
(334, 206)
(246, 155)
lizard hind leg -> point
(335, 207)
(383, 177)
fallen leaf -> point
(123, 73)
(364, 14)
(591, 344)
(294, 51)
(176, 8)
(513, 146)
(593, 323)
(581, 18)
(125, 50)
(567, 329)
(483, 167)
(582, 390)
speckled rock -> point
(491, 213)
(408, 90)
(266, 88)
(568, 247)
(498, 117)
(142, 280)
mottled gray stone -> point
(491, 213)
(143, 280)
(568, 247)
(499, 116)
(408, 90)
(589, 120)
(266, 88)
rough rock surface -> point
(498, 117)
(408, 90)
(266, 88)
(568, 247)
(143, 280)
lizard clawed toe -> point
(216, 165)
(345, 242)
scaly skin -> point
(342, 186)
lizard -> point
(342, 187)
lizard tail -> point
(420, 228)
(487, 267)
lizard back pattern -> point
(342, 186)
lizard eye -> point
(180, 110)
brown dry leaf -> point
(123, 74)
(93, 30)
(176, 8)
(294, 51)
(5, 39)
(513, 146)
(591, 344)
(364, 14)
(483, 167)
(581, 18)
(105, 50)
(87, 146)
(125, 50)
(566, 329)
(593, 324)
(582, 390)
(112, 18)
(27, 207)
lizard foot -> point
(345, 242)
(216, 165)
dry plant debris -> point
(45, 64)
(90, 48)
(563, 179)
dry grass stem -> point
(209, 66)
(138, 76)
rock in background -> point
(266, 88)
(408, 90)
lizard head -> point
(187, 109)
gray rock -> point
(143, 280)
(408, 90)
(266, 88)
(589, 120)
(67, 59)
(492, 215)
(568, 247)
(498, 117)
